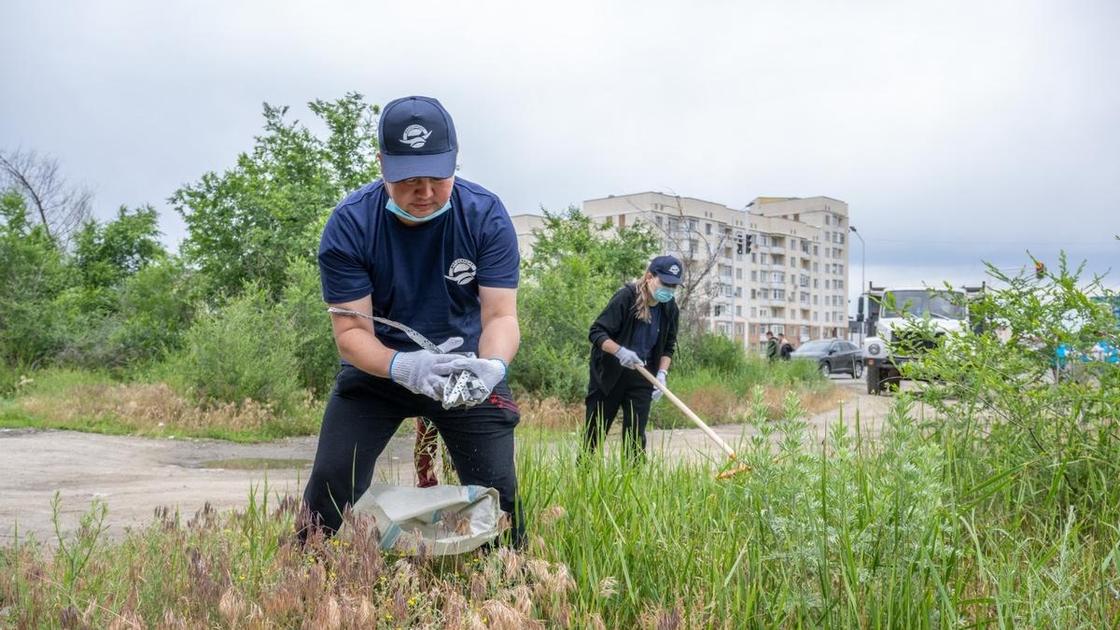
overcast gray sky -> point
(956, 131)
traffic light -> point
(739, 244)
(750, 241)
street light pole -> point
(862, 273)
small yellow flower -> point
(411, 602)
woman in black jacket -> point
(638, 327)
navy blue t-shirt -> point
(424, 276)
(644, 336)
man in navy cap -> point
(437, 255)
(637, 327)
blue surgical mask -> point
(404, 214)
(663, 294)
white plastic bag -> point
(446, 520)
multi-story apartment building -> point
(794, 278)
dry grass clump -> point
(551, 413)
(711, 401)
(150, 409)
(813, 400)
(246, 569)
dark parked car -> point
(833, 355)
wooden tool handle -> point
(686, 411)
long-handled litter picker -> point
(736, 466)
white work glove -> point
(628, 358)
(657, 393)
(417, 371)
(489, 371)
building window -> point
(754, 312)
(816, 250)
(754, 275)
(738, 311)
(707, 228)
(739, 273)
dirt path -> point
(135, 475)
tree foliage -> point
(32, 274)
(575, 268)
(245, 224)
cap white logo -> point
(462, 271)
(415, 136)
(675, 270)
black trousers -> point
(364, 412)
(632, 393)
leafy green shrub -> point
(1050, 433)
(556, 312)
(709, 351)
(302, 304)
(129, 326)
(156, 306)
(32, 274)
(245, 350)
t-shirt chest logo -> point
(462, 271)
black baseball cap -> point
(417, 139)
(668, 270)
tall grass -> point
(899, 532)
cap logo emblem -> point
(462, 271)
(415, 136)
(675, 270)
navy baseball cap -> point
(668, 270)
(417, 139)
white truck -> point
(886, 316)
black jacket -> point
(617, 322)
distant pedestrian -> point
(771, 346)
(785, 347)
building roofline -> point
(657, 192)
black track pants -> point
(364, 411)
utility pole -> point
(862, 276)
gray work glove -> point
(628, 358)
(489, 371)
(657, 393)
(417, 371)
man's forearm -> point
(362, 350)
(500, 339)
(664, 365)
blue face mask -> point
(663, 294)
(404, 214)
